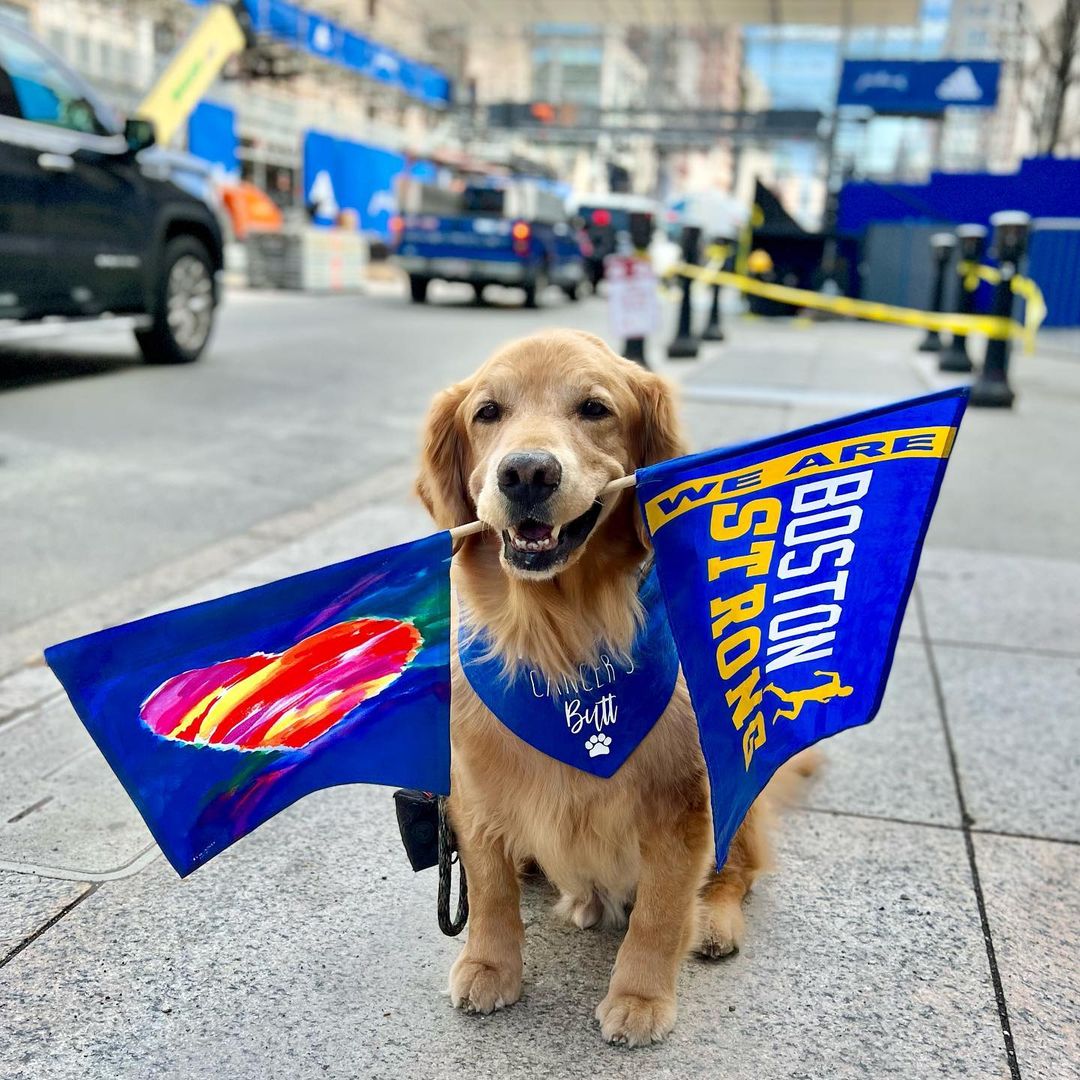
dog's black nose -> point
(528, 477)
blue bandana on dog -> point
(594, 722)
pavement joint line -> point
(1021, 650)
(134, 866)
(9, 720)
(26, 811)
(69, 760)
(1004, 834)
(782, 396)
(969, 843)
(925, 369)
(45, 927)
(20, 647)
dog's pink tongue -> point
(533, 530)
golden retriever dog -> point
(527, 445)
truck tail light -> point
(521, 233)
(397, 227)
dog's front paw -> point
(478, 987)
(722, 930)
(635, 1020)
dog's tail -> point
(789, 781)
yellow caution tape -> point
(1034, 309)
(973, 273)
(1034, 303)
(717, 254)
(991, 326)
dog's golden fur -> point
(644, 836)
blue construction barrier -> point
(340, 174)
(1046, 188)
(1054, 262)
(212, 135)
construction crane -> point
(222, 32)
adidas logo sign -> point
(961, 85)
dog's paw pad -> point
(632, 1020)
(598, 745)
(722, 931)
(477, 987)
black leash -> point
(448, 855)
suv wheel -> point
(184, 305)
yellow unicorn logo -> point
(796, 699)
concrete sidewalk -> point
(922, 922)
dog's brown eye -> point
(488, 413)
(592, 409)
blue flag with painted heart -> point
(786, 566)
(217, 716)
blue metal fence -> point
(1054, 262)
(1047, 188)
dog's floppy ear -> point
(443, 480)
(658, 435)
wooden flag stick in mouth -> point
(619, 484)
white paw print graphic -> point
(598, 745)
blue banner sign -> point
(327, 39)
(316, 34)
(340, 174)
(919, 87)
(786, 566)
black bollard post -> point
(684, 345)
(970, 238)
(941, 245)
(641, 230)
(714, 329)
(992, 388)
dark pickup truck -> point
(512, 235)
(97, 224)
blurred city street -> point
(923, 912)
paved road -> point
(109, 468)
(923, 917)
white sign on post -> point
(633, 303)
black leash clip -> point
(429, 841)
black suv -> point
(94, 220)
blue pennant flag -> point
(785, 566)
(217, 716)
